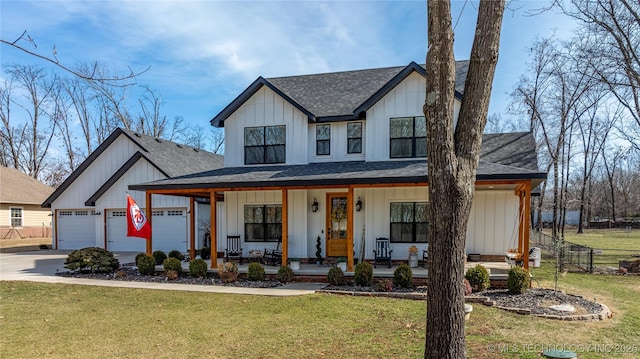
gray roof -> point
(19, 188)
(503, 157)
(170, 158)
(336, 96)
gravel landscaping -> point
(540, 301)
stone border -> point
(605, 312)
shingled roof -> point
(19, 188)
(336, 96)
(170, 158)
(508, 156)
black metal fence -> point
(577, 257)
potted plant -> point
(341, 263)
(318, 252)
(294, 263)
(413, 256)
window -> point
(408, 137)
(65, 213)
(354, 137)
(263, 223)
(16, 217)
(409, 222)
(174, 213)
(82, 213)
(323, 139)
(264, 145)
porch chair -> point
(234, 249)
(425, 255)
(273, 256)
(382, 252)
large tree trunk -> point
(453, 161)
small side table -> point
(256, 256)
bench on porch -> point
(382, 252)
(234, 248)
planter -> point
(295, 265)
(413, 260)
(342, 265)
(468, 308)
(474, 258)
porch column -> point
(149, 216)
(521, 213)
(192, 225)
(213, 230)
(350, 230)
(526, 224)
(285, 226)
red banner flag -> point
(137, 225)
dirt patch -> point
(15, 245)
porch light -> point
(314, 205)
(358, 204)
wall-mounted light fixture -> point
(359, 204)
(314, 205)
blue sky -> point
(204, 53)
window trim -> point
(12, 218)
(264, 145)
(413, 223)
(354, 138)
(265, 225)
(328, 141)
(413, 138)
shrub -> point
(160, 256)
(384, 285)
(466, 286)
(363, 274)
(176, 254)
(146, 265)
(171, 274)
(285, 274)
(335, 276)
(228, 272)
(255, 271)
(198, 268)
(172, 264)
(205, 253)
(141, 254)
(478, 277)
(94, 259)
(403, 276)
(518, 280)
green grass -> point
(62, 321)
(611, 245)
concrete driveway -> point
(42, 266)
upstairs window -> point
(408, 137)
(263, 223)
(16, 216)
(409, 222)
(264, 145)
(354, 137)
(323, 139)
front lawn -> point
(62, 321)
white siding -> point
(493, 223)
(406, 99)
(338, 144)
(266, 108)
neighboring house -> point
(20, 213)
(343, 156)
(90, 206)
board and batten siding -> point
(406, 99)
(493, 223)
(266, 108)
(98, 172)
(338, 151)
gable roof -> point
(503, 157)
(170, 158)
(336, 96)
(19, 188)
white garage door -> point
(76, 229)
(169, 228)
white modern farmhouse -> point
(89, 208)
(342, 156)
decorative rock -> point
(563, 308)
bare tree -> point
(453, 162)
